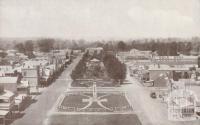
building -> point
(181, 105)
(138, 54)
(6, 100)
(155, 72)
(3, 115)
(32, 75)
(91, 51)
(122, 56)
(6, 70)
(93, 63)
(175, 60)
(95, 68)
(9, 83)
(6, 104)
(134, 55)
(47, 75)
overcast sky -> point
(99, 19)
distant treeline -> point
(168, 46)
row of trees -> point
(44, 45)
(26, 48)
(47, 44)
(115, 69)
(80, 68)
(162, 47)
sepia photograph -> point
(99, 62)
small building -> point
(93, 63)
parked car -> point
(153, 95)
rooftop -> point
(8, 80)
(95, 60)
(3, 112)
(6, 94)
(167, 67)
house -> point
(9, 83)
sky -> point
(99, 19)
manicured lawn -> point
(115, 101)
(85, 83)
(85, 119)
(74, 101)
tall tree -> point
(173, 49)
(188, 48)
(3, 54)
(46, 45)
(115, 69)
(20, 47)
(121, 46)
(29, 46)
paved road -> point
(37, 112)
(149, 111)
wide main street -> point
(149, 111)
(36, 113)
